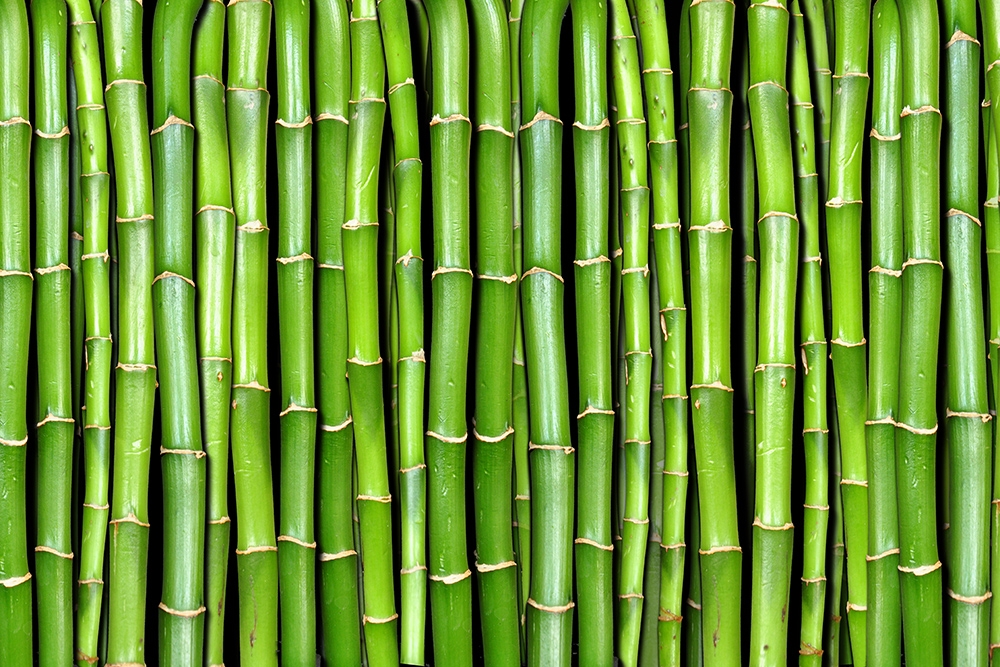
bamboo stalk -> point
(95, 193)
(340, 614)
(835, 554)
(492, 452)
(407, 176)
(818, 45)
(77, 312)
(991, 219)
(181, 608)
(135, 373)
(843, 215)
(55, 428)
(884, 290)
(360, 243)
(592, 271)
(215, 233)
(247, 101)
(916, 420)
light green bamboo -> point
(991, 220)
(916, 419)
(76, 308)
(492, 451)
(215, 234)
(54, 472)
(247, 102)
(94, 188)
(360, 239)
(818, 46)
(592, 271)
(884, 289)
(181, 619)
(340, 614)
(710, 242)
(843, 215)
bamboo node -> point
(760, 84)
(592, 410)
(983, 417)
(920, 570)
(331, 116)
(449, 269)
(418, 356)
(129, 518)
(856, 607)
(53, 418)
(551, 448)
(256, 386)
(852, 75)
(455, 117)
(763, 526)
(539, 270)
(917, 431)
(197, 453)
(813, 580)
(493, 439)
(666, 225)
(484, 567)
(299, 125)
(296, 541)
(671, 547)
(495, 128)
(358, 362)
(888, 272)
(719, 549)
(194, 613)
(293, 407)
(100, 508)
(682, 127)
(954, 212)
(141, 218)
(713, 385)
(214, 207)
(413, 570)
(91, 107)
(301, 257)
(927, 108)
(378, 621)
(600, 259)
(644, 270)
(136, 368)
(597, 545)
(818, 508)
(263, 548)
(123, 82)
(630, 596)
(43, 270)
(618, 252)
(840, 202)
(509, 280)
(878, 136)
(592, 128)
(354, 224)
(327, 557)
(14, 443)
(539, 117)
(449, 579)
(405, 259)
(76, 236)
(844, 343)
(676, 473)
(809, 649)
(818, 258)
(961, 36)
(171, 274)
(408, 81)
(171, 120)
(637, 522)
(16, 120)
(41, 548)
(760, 368)
(853, 482)
(220, 521)
(805, 105)
(96, 427)
(666, 616)
(385, 500)
(452, 440)
(64, 132)
(254, 226)
(103, 256)
(560, 609)
(973, 600)
(419, 466)
(694, 605)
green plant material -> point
(247, 102)
(215, 232)
(340, 613)
(843, 216)
(360, 247)
(135, 372)
(991, 218)
(95, 193)
(182, 622)
(76, 308)
(54, 472)
(884, 294)
(813, 350)
(492, 451)
(407, 177)
(818, 46)
(592, 270)
(835, 553)
(916, 420)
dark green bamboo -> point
(916, 419)
(339, 612)
(991, 219)
(360, 247)
(182, 622)
(293, 133)
(818, 46)
(710, 242)
(54, 472)
(492, 451)
(247, 102)
(884, 292)
(835, 554)
(95, 193)
(592, 270)
(77, 307)
(215, 233)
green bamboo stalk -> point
(340, 614)
(670, 323)
(592, 270)
(215, 233)
(812, 336)
(843, 215)
(916, 420)
(407, 176)
(522, 481)
(968, 429)
(492, 452)
(360, 247)
(135, 373)
(296, 541)
(95, 193)
(54, 474)
(991, 219)
(388, 308)
(181, 607)
(884, 295)
(634, 198)
(819, 59)
(16, 294)
(76, 308)
(710, 241)
(835, 553)
(247, 102)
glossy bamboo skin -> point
(53, 291)
(916, 420)
(247, 102)
(884, 296)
